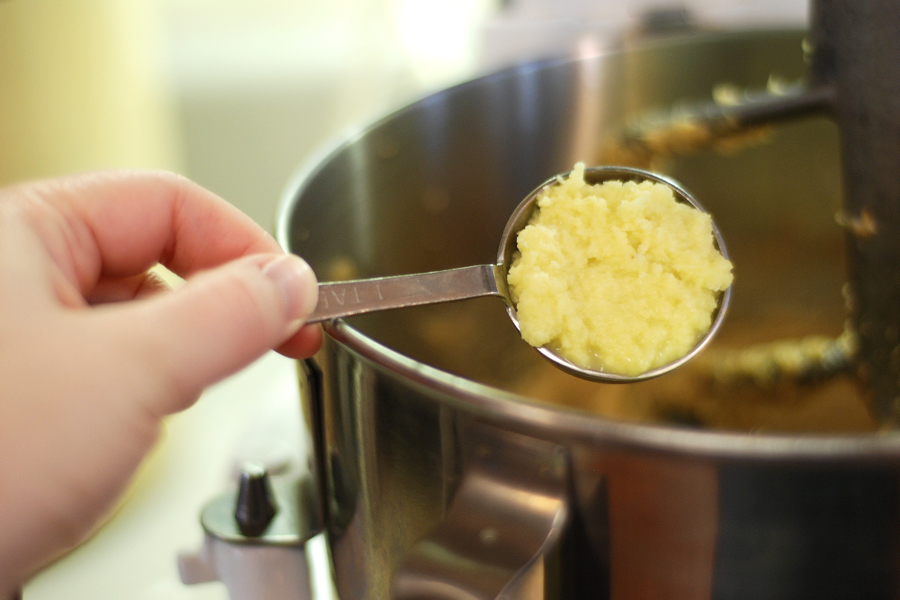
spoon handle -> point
(347, 298)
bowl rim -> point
(566, 424)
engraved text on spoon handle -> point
(346, 298)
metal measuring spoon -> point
(348, 298)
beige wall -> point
(234, 94)
(82, 87)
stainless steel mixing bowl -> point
(452, 462)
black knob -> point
(255, 507)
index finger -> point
(120, 223)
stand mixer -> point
(440, 482)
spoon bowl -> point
(348, 298)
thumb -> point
(223, 319)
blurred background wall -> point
(231, 93)
(82, 86)
(235, 94)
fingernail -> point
(297, 284)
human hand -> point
(92, 356)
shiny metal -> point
(294, 522)
(670, 509)
(348, 298)
(268, 561)
(505, 519)
(360, 296)
(255, 506)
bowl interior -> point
(431, 187)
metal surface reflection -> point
(672, 483)
(505, 518)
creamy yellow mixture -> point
(617, 276)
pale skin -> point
(95, 351)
